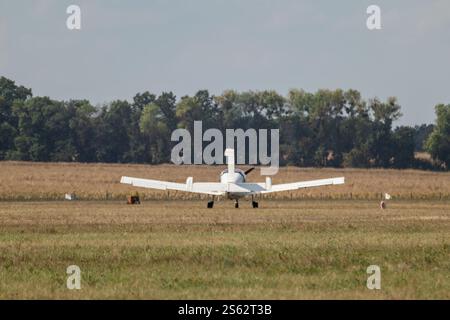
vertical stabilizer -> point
(229, 154)
(268, 183)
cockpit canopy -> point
(238, 171)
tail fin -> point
(229, 154)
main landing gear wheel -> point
(254, 203)
(211, 203)
(236, 204)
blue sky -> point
(126, 47)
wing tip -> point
(125, 180)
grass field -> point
(284, 250)
(50, 181)
(315, 243)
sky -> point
(126, 47)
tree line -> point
(328, 128)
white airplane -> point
(232, 184)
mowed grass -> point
(180, 249)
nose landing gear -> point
(255, 204)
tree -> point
(113, 138)
(381, 143)
(188, 110)
(357, 157)
(229, 109)
(404, 147)
(137, 151)
(9, 93)
(438, 143)
(167, 104)
(82, 129)
(325, 128)
(273, 104)
(300, 102)
(156, 133)
(421, 135)
(386, 113)
(43, 132)
(140, 100)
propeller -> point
(249, 170)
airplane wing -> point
(210, 188)
(217, 189)
(304, 184)
(267, 187)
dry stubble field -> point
(300, 248)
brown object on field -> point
(44, 181)
(382, 205)
(133, 200)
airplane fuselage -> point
(238, 176)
